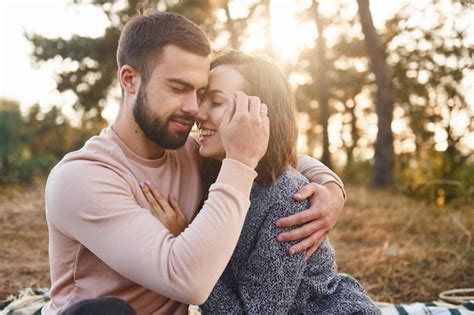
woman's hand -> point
(167, 211)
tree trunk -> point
(268, 16)
(383, 165)
(234, 37)
(323, 86)
(354, 134)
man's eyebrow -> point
(182, 82)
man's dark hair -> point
(144, 37)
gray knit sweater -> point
(261, 278)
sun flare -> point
(289, 35)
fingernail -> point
(278, 223)
(148, 183)
(292, 252)
(279, 238)
(142, 184)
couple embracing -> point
(146, 218)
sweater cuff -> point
(323, 179)
(237, 175)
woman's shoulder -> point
(280, 192)
(290, 181)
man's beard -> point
(156, 128)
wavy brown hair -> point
(265, 80)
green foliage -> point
(435, 178)
(358, 172)
(10, 124)
(31, 145)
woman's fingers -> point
(176, 207)
(150, 198)
(165, 206)
(167, 211)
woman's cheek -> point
(219, 114)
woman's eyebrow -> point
(214, 91)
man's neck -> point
(132, 135)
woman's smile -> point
(205, 134)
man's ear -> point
(129, 79)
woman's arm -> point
(269, 278)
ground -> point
(402, 250)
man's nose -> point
(191, 105)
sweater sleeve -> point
(269, 280)
(318, 173)
(94, 204)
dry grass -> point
(401, 249)
(404, 250)
(23, 240)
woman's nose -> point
(202, 114)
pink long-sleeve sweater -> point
(104, 242)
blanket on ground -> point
(30, 302)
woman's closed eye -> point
(216, 103)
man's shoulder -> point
(86, 173)
(102, 147)
(98, 153)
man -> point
(103, 240)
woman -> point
(261, 277)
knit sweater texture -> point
(262, 278)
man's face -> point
(167, 104)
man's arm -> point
(318, 173)
(96, 206)
(327, 197)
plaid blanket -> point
(30, 302)
(27, 302)
(435, 308)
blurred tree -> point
(383, 159)
(338, 78)
(236, 27)
(93, 60)
(429, 63)
(10, 124)
(350, 79)
(323, 85)
(49, 134)
(267, 16)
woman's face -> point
(224, 81)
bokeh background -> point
(385, 95)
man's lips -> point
(183, 123)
